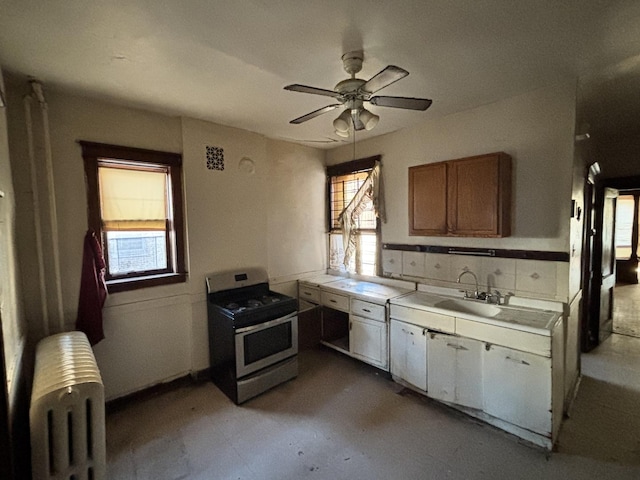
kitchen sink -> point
(469, 306)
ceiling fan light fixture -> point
(368, 119)
(343, 122)
(352, 92)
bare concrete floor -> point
(341, 419)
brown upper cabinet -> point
(467, 197)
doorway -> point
(626, 306)
(626, 317)
(612, 234)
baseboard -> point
(189, 379)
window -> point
(625, 212)
(135, 208)
(344, 181)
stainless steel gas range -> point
(253, 333)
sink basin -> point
(469, 306)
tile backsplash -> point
(528, 278)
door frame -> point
(601, 282)
(595, 190)
(588, 336)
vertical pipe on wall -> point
(36, 215)
(53, 212)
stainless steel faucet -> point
(475, 293)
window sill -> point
(124, 285)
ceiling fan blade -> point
(384, 78)
(402, 102)
(315, 113)
(307, 89)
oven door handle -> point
(270, 323)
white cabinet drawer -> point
(310, 294)
(333, 300)
(422, 318)
(517, 339)
(368, 310)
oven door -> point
(262, 345)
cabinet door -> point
(479, 196)
(428, 199)
(455, 370)
(517, 388)
(409, 353)
(368, 341)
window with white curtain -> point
(344, 181)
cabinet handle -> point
(366, 310)
(407, 332)
(522, 362)
(307, 293)
(332, 300)
(457, 347)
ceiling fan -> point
(353, 92)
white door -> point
(368, 341)
(517, 388)
(455, 370)
(409, 353)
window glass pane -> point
(343, 189)
(367, 253)
(136, 251)
(363, 262)
(624, 226)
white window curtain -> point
(133, 199)
(370, 191)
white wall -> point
(11, 315)
(269, 215)
(297, 220)
(536, 129)
(12, 319)
(234, 219)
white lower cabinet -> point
(455, 370)
(368, 341)
(409, 353)
(517, 388)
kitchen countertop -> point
(531, 320)
(321, 279)
(373, 292)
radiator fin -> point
(67, 411)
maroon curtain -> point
(93, 290)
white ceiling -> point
(228, 61)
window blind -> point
(133, 199)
